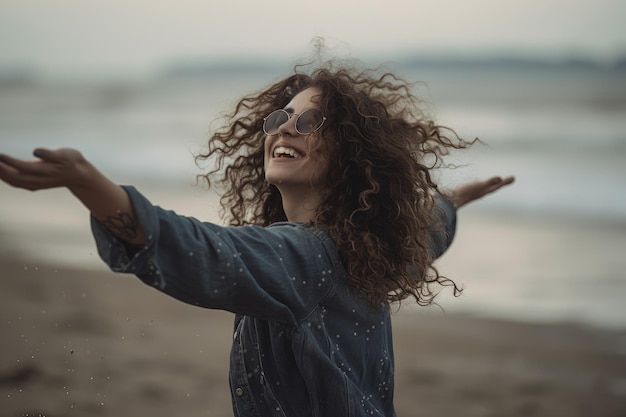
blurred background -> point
(136, 84)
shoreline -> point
(91, 343)
(520, 266)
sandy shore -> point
(92, 343)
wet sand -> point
(92, 343)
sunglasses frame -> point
(289, 116)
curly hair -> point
(378, 194)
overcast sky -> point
(133, 36)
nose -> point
(289, 127)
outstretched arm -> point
(446, 208)
(107, 201)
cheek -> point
(266, 145)
(266, 152)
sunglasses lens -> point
(309, 121)
(274, 120)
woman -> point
(334, 216)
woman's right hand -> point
(107, 202)
(54, 168)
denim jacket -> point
(303, 345)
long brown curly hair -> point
(377, 197)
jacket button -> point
(239, 392)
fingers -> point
(54, 168)
(472, 191)
(12, 176)
(56, 155)
(500, 181)
(63, 156)
(21, 166)
(496, 183)
(30, 175)
(41, 153)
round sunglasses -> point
(307, 122)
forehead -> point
(305, 99)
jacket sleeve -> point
(444, 225)
(274, 273)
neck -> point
(299, 206)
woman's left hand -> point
(468, 192)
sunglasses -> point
(307, 122)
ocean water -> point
(560, 131)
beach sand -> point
(93, 343)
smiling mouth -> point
(284, 152)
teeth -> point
(282, 150)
